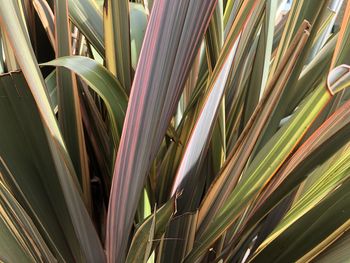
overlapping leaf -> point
(170, 46)
(103, 83)
(61, 166)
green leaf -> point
(138, 26)
(10, 63)
(311, 11)
(26, 59)
(244, 59)
(214, 41)
(103, 83)
(117, 40)
(261, 66)
(241, 153)
(322, 145)
(311, 229)
(193, 93)
(341, 55)
(194, 154)
(301, 10)
(69, 115)
(99, 138)
(77, 220)
(178, 239)
(214, 36)
(19, 238)
(338, 251)
(326, 179)
(53, 202)
(265, 165)
(323, 32)
(51, 85)
(342, 49)
(88, 18)
(150, 231)
(231, 11)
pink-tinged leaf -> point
(331, 135)
(172, 40)
(264, 167)
(200, 137)
(204, 125)
(323, 143)
(244, 146)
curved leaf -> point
(103, 83)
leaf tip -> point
(338, 79)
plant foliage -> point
(174, 131)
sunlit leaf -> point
(266, 163)
(175, 37)
(88, 18)
(117, 40)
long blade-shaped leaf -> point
(25, 57)
(311, 229)
(217, 149)
(19, 236)
(83, 228)
(269, 159)
(138, 26)
(178, 239)
(339, 251)
(88, 18)
(45, 198)
(197, 145)
(117, 40)
(47, 19)
(261, 64)
(241, 153)
(68, 102)
(171, 43)
(330, 137)
(341, 55)
(325, 183)
(310, 10)
(342, 49)
(199, 137)
(10, 62)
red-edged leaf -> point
(172, 40)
